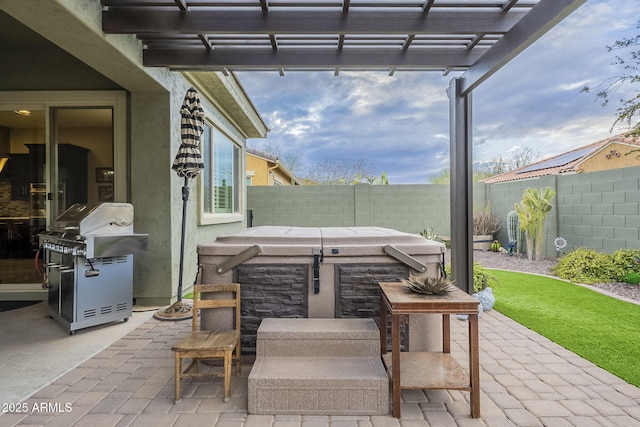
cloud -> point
(540, 100)
(400, 123)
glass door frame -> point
(48, 100)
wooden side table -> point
(429, 370)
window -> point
(221, 177)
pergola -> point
(475, 37)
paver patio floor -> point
(526, 380)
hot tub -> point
(319, 272)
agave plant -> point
(428, 285)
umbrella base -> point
(179, 310)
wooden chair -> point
(210, 344)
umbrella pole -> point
(179, 310)
(185, 198)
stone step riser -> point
(318, 367)
(318, 348)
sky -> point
(400, 124)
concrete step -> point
(318, 338)
(318, 367)
(318, 386)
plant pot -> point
(482, 242)
(447, 242)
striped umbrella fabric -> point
(188, 162)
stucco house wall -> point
(612, 156)
(87, 59)
(265, 169)
(265, 173)
(257, 170)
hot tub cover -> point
(333, 241)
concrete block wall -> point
(599, 210)
(414, 207)
(504, 197)
(301, 206)
(408, 208)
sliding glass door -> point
(22, 212)
(51, 157)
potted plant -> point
(485, 224)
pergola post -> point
(461, 186)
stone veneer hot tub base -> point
(278, 281)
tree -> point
(328, 172)
(516, 159)
(291, 159)
(342, 172)
(383, 179)
(496, 166)
(523, 156)
(629, 63)
(444, 176)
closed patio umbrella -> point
(187, 164)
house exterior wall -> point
(259, 167)
(262, 175)
(87, 59)
(613, 156)
(279, 178)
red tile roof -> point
(566, 162)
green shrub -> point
(626, 261)
(481, 277)
(587, 266)
(632, 277)
(429, 234)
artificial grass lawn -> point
(601, 329)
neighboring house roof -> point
(276, 161)
(263, 154)
(568, 162)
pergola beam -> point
(515, 24)
(217, 59)
(544, 16)
(182, 5)
(147, 22)
(426, 6)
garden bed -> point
(520, 263)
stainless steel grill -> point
(88, 259)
